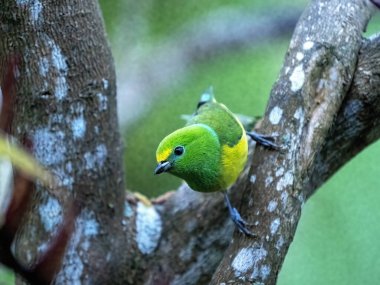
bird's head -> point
(191, 153)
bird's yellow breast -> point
(233, 161)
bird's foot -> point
(264, 140)
(240, 223)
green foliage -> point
(22, 160)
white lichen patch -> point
(284, 181)
(102, 101)
(272, 206)
(69, 167)
(298, 114)
(86, 228)
(58, 61)
(243, 261)
(275, 224)
(275, 115)
(128, 212)
(280, 171)
(49, 146)
(72, 269)
(148, 228)
(279, 243)
(252, 179)
(66, 180)
(43, 66)
(96, 158)
(248, 259)
(90, 225)
(284, 198)
(34, 8)
(333, 74)
(43, 247)
(297, 78)
(78, 127)
(51, 214)
(105, 83)
(55, 63)
(90, 229)
(265, 271)
(268, 181)
(299, 56)
(308, 45)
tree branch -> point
(315, 78)
(357, 124)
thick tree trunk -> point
(322, 106)
(65, 111)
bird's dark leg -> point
(236, 218)
(264, 140)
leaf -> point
(23, 161)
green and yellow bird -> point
(210, 152)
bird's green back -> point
(221, 120)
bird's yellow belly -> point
(233, 161)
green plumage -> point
(199, 164)
(221, 120)
(211, 130)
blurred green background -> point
(168, 52)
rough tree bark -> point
(65, 111)
(317, 73)
(322, 109)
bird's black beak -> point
(163, 166)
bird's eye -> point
(179, 150)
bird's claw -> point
(240, 223)
(264, 140)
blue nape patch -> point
(207, 96)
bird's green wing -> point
(221, 120)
